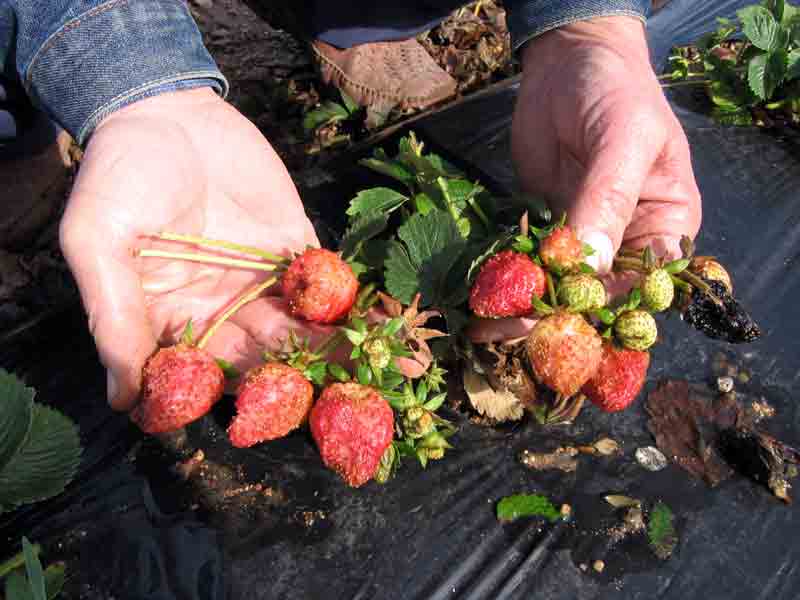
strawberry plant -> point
(39, 447)
(749, 64)
(26, 579)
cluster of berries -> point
(352, 424)
(580, 344)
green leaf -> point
(317, 372)
(364, 227)
(338, 372)
(401, 276)
(228, 369)
(793, 64)
(17, 587)
(350, 105)
(45, 463)
(605, 315)
(765, 73)
(523, 244)
(328, 112)
(354, 337)
(661, 531)
(33, 567)
(364, 374)
(422, 392)
(436, 402)
(380, 163)
(433, 245)
(356, 353)
(403, 399)
(676, 266)
(16, 402)
(379, 199)
(526, 505)
(586, 268)
(776, 7)
(741, 117)
(187, 337)
(541, 307)
(424, 203)
(54, 578)
(588, 250)
(393, 326)
(761, 28)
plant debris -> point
(661, 531)
(684, 420)
(619, 501)
(562, 459)
(725, 320)
(651, 458)
(725, 384)
(514, 507)
(760, 457)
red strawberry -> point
(352, 425)
(271, 401)
(561, 251)
(505, 285)
(565, 351)
(179, 385)
(619, 379)
(319, 286)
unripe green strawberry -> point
(658, 291)
(378, 352)
(636, 329)
(582, 293)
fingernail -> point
(603, 257)
(111, 387)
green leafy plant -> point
(661, 531)
(26, 579)
(39, 447)
(760, 71)
(514, 507)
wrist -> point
(624, 35)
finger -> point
(114, 302)
(620, 161)
(484, 331)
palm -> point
(212, 175)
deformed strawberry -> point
(352, 425)
(505, 285)
(561, 251)
(564, 351)
(658, 291)
(319, 286)
(271, 401)
(619, 378)
(636, 329)
(180, 384)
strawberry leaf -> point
(436, 402)
(45, 462)
(328, 112)
(765, 72)
(54, 578)
(364, 374)
(401, 275)
(793, 64)
(33, 568)
(379, 199)
(761, 28)
(540, 306)
(338, 372)
(381, 163)
(676, 266)
(317, 372)
(363, 228)
(523, 244)
(16, 413)
(526, 505)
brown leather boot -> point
(385, 75)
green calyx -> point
(636, 329)
(658, 291)
(582, 293)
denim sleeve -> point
(80, 60)
(530, 18)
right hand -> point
(184, 161)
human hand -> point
(183, 161)
(594, 134)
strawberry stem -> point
(241, 301)
(701, 285)
(551, 291)
(217, 260)
(330, 344)
(201, 241)
(622, 263)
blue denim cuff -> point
(530, 18)
(113, 54)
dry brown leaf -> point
(500, 405)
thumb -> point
(113, 298)
(618, 166)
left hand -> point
(594, 134)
